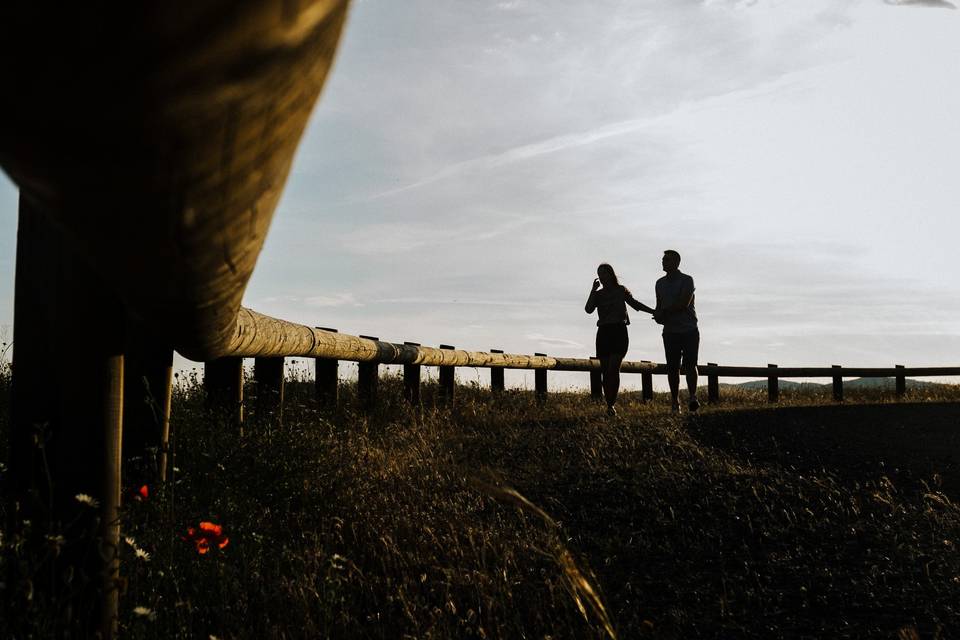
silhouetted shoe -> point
(612, 411)
(675, 408)
(694, 405)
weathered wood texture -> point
(159, 136)
(260, 335)
(65, 436)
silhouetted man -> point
(681, 337)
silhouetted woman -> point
(611, 303)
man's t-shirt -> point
(672, 288)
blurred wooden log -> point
(158, 137)
(66, 429)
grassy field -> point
(512, 520)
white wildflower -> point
(140, 553)
(144, 612)
(83, 498)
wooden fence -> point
(269, 341)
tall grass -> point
(512, 519)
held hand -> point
(596, 284)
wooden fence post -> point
(713, 386)
(540, 381)
(368, 381)
(596, 383)
(447, 384)
(837, 385)
(327, 380)
(646, 384)
(496, 376)
(773, 384)
(66, 429)
(148, 388)
(411, 380)
(223, 382)
(268, 374)
(901, 382)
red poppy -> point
(206, 536)
(143, 492)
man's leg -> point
(672, 351)
(691, 351)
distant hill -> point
(857, 383)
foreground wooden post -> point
(540, 381)
(223, 382)
(65, 433)
(447, 382)
(773, 384)
(646, 386)
(411, 379)
(496, 376)
(268, 374)
(713, 385)
(326, 380)
(901, 382)
(596, 383)
(368, 379)
(837, 385)
(148, 388)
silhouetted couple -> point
(675, 310)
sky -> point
(470, 163)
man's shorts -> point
(612, 339)
(681, 349)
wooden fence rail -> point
(266, 338)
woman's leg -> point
(611, 377)
(604, 362)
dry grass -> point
(513, 520)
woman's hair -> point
(605, 265)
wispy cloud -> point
(336, 300)
(933, 4)
(554, 342)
